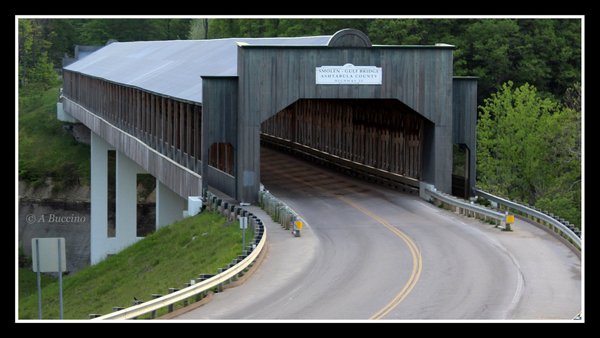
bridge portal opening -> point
(378, 138)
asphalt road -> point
(373, 253)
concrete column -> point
(169, 205)
(99, 198)
(126, 200)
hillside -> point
(48, 154)
(167, 258)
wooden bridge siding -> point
(380, 133)
(141, 113)
(169, 126)
(178, 179)
(464, 112)
(220, 125)
(421, 78)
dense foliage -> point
(529, 131)
(543, 52)
(528, 149)
(48, 154)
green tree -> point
(99, 31)
(397, 31)
(198, 29)
(168, 29)
(25, 39)
(488, 51)
(61, 35)
(42, 75)
(527, 150)
(34, 64)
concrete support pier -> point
(169, 205)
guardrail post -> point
(170, 306)
(153, 313)
(136, 302)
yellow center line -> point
(417, 261)
(414, 251)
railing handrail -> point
(190, 291)
(466, 205)
(532, 212)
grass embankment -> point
(46, 149)
(167, 258)
(28, 282)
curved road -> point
(374, 253)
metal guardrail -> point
(279, 211)
(467, 208)
(205, 285)
(564, 230)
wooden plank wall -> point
(167, 125)
(219, 136)
(181, 180)
(382, 134)
(419, 77)
(464, 116)
(220, 156)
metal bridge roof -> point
(173, 68)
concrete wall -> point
(40, 219)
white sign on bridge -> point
(349, 74)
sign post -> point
(60, 293)
(39, 278)
(49, 255)
(243, 226)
